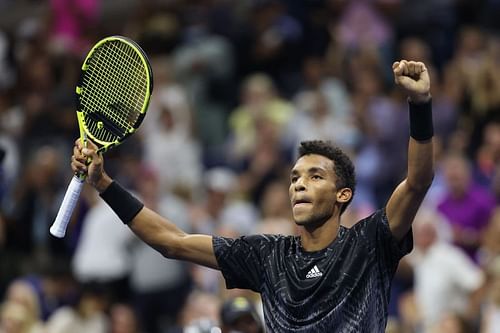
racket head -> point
(114, 90)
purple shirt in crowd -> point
(470, 212)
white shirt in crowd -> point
(102, 254)
(444, 278)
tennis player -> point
(330, 278)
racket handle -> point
(58, 228)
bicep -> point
(197, 249)
(172, 242)
(402, 208)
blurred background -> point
(237, 85)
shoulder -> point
(372, 230)
(256, 243)
(259, 240)
(375, 219)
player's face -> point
(313, 193)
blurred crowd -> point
(237, 84)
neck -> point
(315, 238)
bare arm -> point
(165, 237)
(153, 229)
(406, 199)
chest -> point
(321, 292)
(333, 274)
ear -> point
(344, 195)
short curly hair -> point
(342, 164)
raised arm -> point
(404, 202)
(156, 231)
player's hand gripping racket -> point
(113, 95)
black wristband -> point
(124, 204)
(421, 125)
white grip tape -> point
(58, 228)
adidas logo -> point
(314, 272)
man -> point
(330, 278)
(238, 315)
(445, 277)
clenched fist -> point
(413, 78)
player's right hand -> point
(86, 160)
(413, 78)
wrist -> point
(122, 202)
(103, 183)
(421, 124)
(420, 98)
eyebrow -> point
(309, 171)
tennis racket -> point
(113, 95)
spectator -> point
(260, 104)
(22, 309)
(488, 155)
(316, 118)
(101, 259)
(433, 21)
(86, 315)
(123, 319)
(272, 44)
(444, 276)
(466, 205)
(171, 121)
(15, 318)
(239, 315)
(32, 207)
(317, 76)
(275, 211)
(204, 65)
(363, 24)
(22, 292)
(220, 188)
(200, 311)
(71, 23)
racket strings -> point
(118, 75)
(114, 86)
(136, 69)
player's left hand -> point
(413, 78)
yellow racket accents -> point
(114, 90)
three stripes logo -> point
(314, 272)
